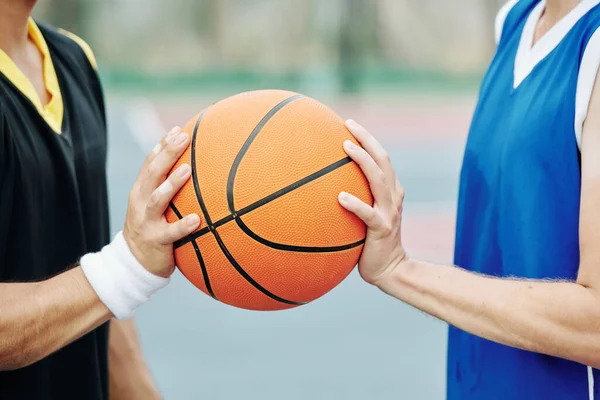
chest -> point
(43, 163)
(529, 126)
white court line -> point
(144, 123)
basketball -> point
(267, 168)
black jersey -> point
(53, 210)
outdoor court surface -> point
(355, 342)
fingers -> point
(159, 146)
(180, 229)
(374, 148)
(160, 165)
(374, 174)
(160, 198)
(362, 210)
(398, 197)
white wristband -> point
(118, 278)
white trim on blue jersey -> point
(590, 383)
(501, 17)
(585, 82)
(529, 56)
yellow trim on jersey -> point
(84, 46)
(54, 110)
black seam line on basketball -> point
(198, 256)
(299, 249)
(193, 236)
(194, 244)
(246, 146)
(242, 272)
(175, 210)
(230, 192)
(268, 199)
(195, 174)
(204, 270)
(224, 249)
(303, 249)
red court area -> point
(412, 125)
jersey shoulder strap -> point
(512, 14)
(84, 46)
(588, 69)
(68, 45)
(75, 57)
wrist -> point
(118, 278)
(394, 274)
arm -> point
(517, 313)
(38, 318)
(130, 377)
(522, 314)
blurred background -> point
(408, 70)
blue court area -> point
(354, 343)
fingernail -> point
(343, 197)
(181, 138)
(192, 220)
(351, 123)
(182, 171)
(157, 148)
(165, 187)
(174, 131)
(349, 145)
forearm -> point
(555, 318)
(130, 378)
(38, 318)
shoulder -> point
(68, 42)
(75, 59)
(587, 83)
(513, 15)
(501, 18)
(84, 46)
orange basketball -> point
(267, 168)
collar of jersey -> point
(54, 110)
(529, 55)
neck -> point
(13, 24)
(556, 9)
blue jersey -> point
(518, 208)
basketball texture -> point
(267, 168)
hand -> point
(147, 233)
(383, 249)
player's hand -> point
(383, 249)
(147, 233)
